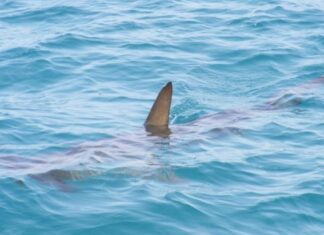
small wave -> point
(72, 41)
(50, 14)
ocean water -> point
(246, 153)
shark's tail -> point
(160, 111)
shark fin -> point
(159, 114)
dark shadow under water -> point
(136, 150)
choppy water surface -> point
(77, 79)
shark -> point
(119, 153)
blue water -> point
(77, 79)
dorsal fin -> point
(159, 114)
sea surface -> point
(246, 152)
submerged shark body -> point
(119, 153)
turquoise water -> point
(77, 79)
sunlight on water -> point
(77, 79)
